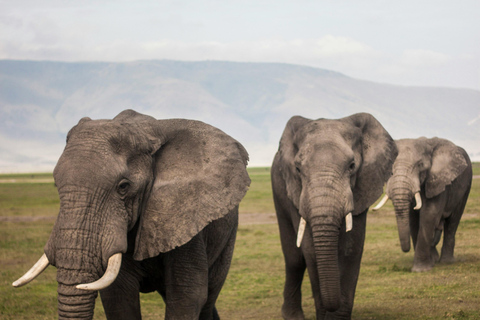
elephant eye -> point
(123, 187)
(298, 169)
(352, 166)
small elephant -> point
(325, 175)
(145, 205)
(429, 189)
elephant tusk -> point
(114, 263)
(381, 203)
(418, 201)
(34, 271)
(349, 222)
(301, 231)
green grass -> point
(473, 202)
(476, 168)
(27, 176)
(253, 290)
(28, 199)
(259, 196)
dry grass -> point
(386, 289)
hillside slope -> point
(40, 101)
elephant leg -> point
(121, 300)
(449, 241)
(186, 280)
(350, 256)
(414, 219)
(436, 239)
(450, 229)
(458, 191)
(425, 252)
(218, 274)
(438, 232)
(294, 269)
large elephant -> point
(145, 205)
(325, 175)
(429, 189)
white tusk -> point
(34, 271)
(381, 203)
(301, 231)
(418, 200)
(114, 263)
(349, 222)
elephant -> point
(325, 175)
(429, 189)
(145, 205)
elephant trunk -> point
(74, 303)
(76, 265)
(403, 226)
(325, 241)
(79, 247)
(327, 202)
(401, 197)
(402, 188)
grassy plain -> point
(253, 290)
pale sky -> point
(408, 42)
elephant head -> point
(333, 169)
(424, 167)
(138, 185)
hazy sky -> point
(408, 42)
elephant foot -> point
(292, 315)
(421, 268)
(447, 260)
(422, 263)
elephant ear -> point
(200, 176)
(448, 162)
(379, 151)
(286, 156)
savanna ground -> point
(253, 290)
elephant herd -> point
(152, 205)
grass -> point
(476, 168)
(31, 177)
(28, 199)
(253, 290)
(259, 197)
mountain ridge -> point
(41, 100)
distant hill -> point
(40, 101)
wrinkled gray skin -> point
(323, 170)
(442, 173)
(165, 193)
